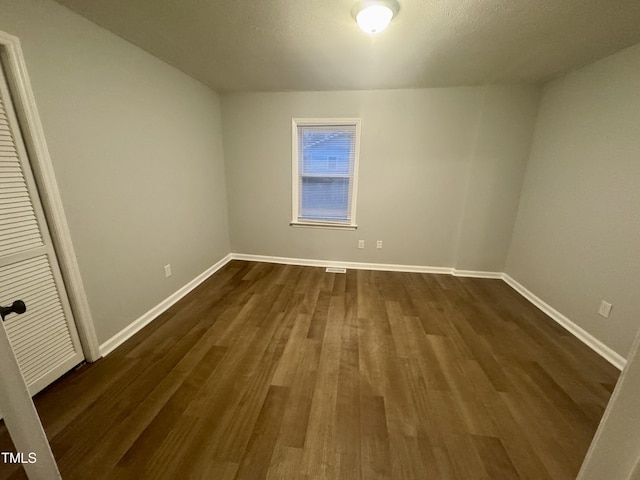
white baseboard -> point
(386, 267)
(606, 352)
(477, 274)
(137, 325)
(307, 262)
(596, 345)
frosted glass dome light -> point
(374, 16)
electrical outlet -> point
(360, 243)
(605, 309)
(167, 270)
(379, 244)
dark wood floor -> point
(285, 372)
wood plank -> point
(495, 458)
(257, 458)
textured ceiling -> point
(276, 45)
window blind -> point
(326, 160)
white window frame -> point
(296, 221)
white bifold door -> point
(44, 339)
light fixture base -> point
(362, 5)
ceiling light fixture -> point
(373, 16)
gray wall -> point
(440, 174)
(137, 152)
(615, 450)
(577, 235)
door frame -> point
(21, 418)
(24, 102)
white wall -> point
(577, 235)
(137, 151)
(440, 174)
(615, 450)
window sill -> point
(329, 226)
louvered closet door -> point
(44, 339)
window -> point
(325, 171)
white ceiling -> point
(279, 45)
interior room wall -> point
(440, 174)
(137, 150)
(615, 450)
(577, 236)
(498, 161)
(136, 147)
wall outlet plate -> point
(167, 270)
(605, 309)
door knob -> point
(16, 307)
